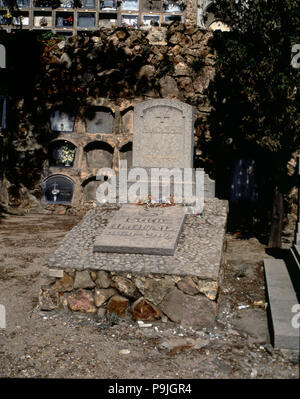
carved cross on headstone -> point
(162, 121)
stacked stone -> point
(169, 62)
(123, 66)
(186, 300)
(183, 287)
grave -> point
(62, 153)
(58, 189)
(163, 138)
(142, 260)
(61, 121)
(135, 229)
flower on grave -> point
(67, 155)
(8, 15)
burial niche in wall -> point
(89, 189)
(99, 155)
(62, 153)
(62, 121)
(99, 120)
(58, 189)
(126, 154)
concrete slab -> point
(138, 230)
(199, 251)
(282, 298)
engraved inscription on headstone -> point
(136, 230)
(163, 134)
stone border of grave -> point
(283, 292)
(182, 288)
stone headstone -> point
(135, 230)
(163, 134)
(163, 138)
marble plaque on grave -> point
(163, 134)
(58, 189)
(135, 230)
(101, 122)
(62, 121)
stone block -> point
(196, 311)
(282, 299)
(144, 310)
(48, 299)
(125, 286)
(188, 286)
(163, 134)
(83, 280)
(136, 230)
(102, 279)
(155, 289)
(64, 284)
(82, 301)
(103, 294)
(58, 273)
(118, 305)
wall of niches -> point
(73, 113)
(98, 138)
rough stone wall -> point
(115, 68)
(191, 12)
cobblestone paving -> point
(198, 252)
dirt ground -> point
(62, 344)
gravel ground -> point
(71, 345)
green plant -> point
(255, 94)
